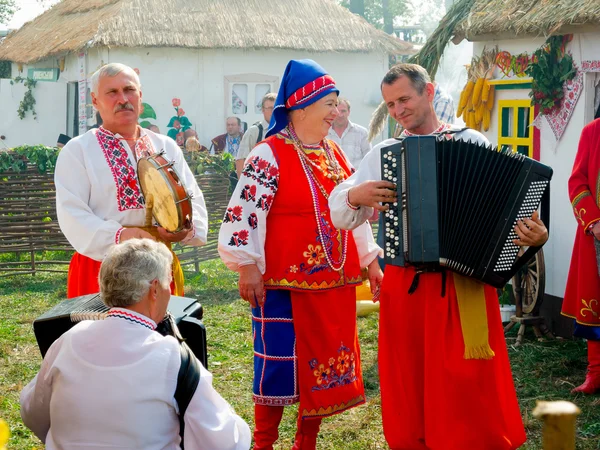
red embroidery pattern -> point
(233, 214)
(144, 147)
(264, 202)
(249, 193)
(253, 221)
(128, 190)
(263, 173)
(239, 238)
(309, 90)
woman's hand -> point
(375, 277)
(251, 285)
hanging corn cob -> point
(486, 119)
(477, 97)
(490, 101)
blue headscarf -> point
(303, 83)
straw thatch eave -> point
(510, 19)
(310, 25)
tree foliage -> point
(379, 12)
(7, 9)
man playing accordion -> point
(445, 375)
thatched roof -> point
(313, 25)
(518, 18)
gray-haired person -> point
(97, 191)
(256, 132)
(111, 383)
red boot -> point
(266, 426)
(306, 434)
(592, 379)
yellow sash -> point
(470, 295)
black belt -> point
(415, 282)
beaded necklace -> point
(313, 183)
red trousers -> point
(82, 278)
(431, 397)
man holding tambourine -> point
(99, 199)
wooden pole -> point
(559, 424)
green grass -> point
(542, 371)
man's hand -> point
(167, 236)
(251, 285)
(596, 230)
(532, 232)
(375, 277)
(372, 193)
(134, 233)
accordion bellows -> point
(458, 204)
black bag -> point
(189, 371)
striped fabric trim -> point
(275, 358)
(131, 317)
(275, 401)
(118, 235)
(350, 205)
(309, 90)
(271, 319)
(579, 197)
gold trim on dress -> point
(332, 409)
(580, 196)
(578, 215)
(314, 285)
(589, 307)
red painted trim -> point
(536, 136)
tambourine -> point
(166, 198)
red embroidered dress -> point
(583, 284)
(296, 254)
(305, 339)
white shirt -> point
(111, 384)
(353, 142)
(346, 217)
(97, 192)
(249, 139)
(253, 249)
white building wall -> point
(560, 157)
(51, 108)
(197, 77)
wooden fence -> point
(31, 240)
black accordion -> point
(186, 312)
(458, 203)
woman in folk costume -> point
(297, 271)
(583, 284)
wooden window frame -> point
(515, 141)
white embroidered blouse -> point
(97, 191)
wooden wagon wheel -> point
(529, 286)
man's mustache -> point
(124, 107)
